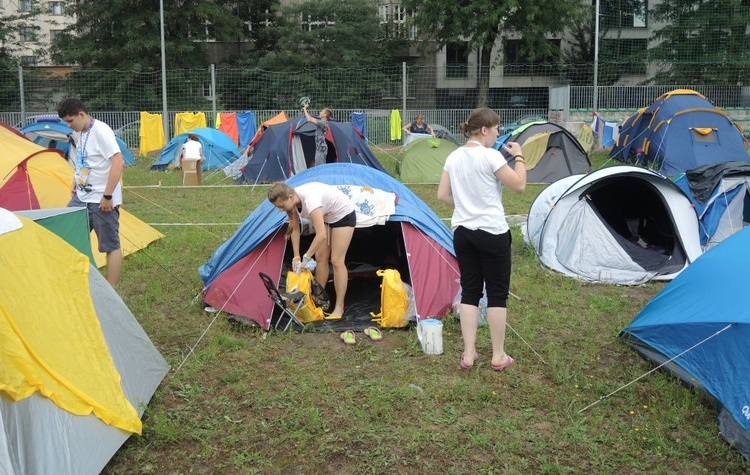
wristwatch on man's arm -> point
(107, 197)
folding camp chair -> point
(287, 316)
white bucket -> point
(430, 335)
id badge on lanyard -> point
(82, 168)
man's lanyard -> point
(85, 142)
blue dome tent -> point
(701, 320)
(680, 131)
(52, 132)
(413, 238)
(218, 147)
(720, 194)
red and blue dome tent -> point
(698, 328)
(680, 131)
(288, 148)
(413, 240)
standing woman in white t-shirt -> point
(472, 181)
(330, 211)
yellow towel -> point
(395, 125)
(151, 132)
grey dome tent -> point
(551, 152)
(621, 225)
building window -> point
(384, 12)
(25, 5)
(28, 60)
(57, 8)
(624, 13)
(27, 34)
(315, 23)
(627, 53)
(456, 61)
(54, 35)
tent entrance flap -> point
(640, 221)
(372, 248)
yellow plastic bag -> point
(303, 283)
(393, 300)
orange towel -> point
(228, 125)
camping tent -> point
(53, 133)
(92, 363)
(680, 131)
(720, 193)
(440, 132)
(422, 161)
(550, 150)
(33, 177)
(621, 224)
(288, 148)
(443, 133)
(279, 118)
(218, 148)
(701, 321)
(413, 239)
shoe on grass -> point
(348, 337)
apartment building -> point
(35, 38)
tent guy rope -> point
(654, 369)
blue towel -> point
(246, 126)
(359, 120)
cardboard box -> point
(191, 172)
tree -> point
(118, 46)
(481, 23)
(330, 50)
(18, 34)
(330, 34)
(702, 42)
(613, 61)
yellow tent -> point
(33, 177)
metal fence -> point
(378, 121)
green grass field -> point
(304, 403)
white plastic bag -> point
(482, 318)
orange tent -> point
(277, 119)
(33, 177)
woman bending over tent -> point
(473, 179)
(330, 211)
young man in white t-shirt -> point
(96, 185)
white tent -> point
(620, 224)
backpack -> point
(393, 300)
(303, 283)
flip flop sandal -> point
(373, 333)
(464, 365)
(328, 316)
(504, 365)
(348, 337)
